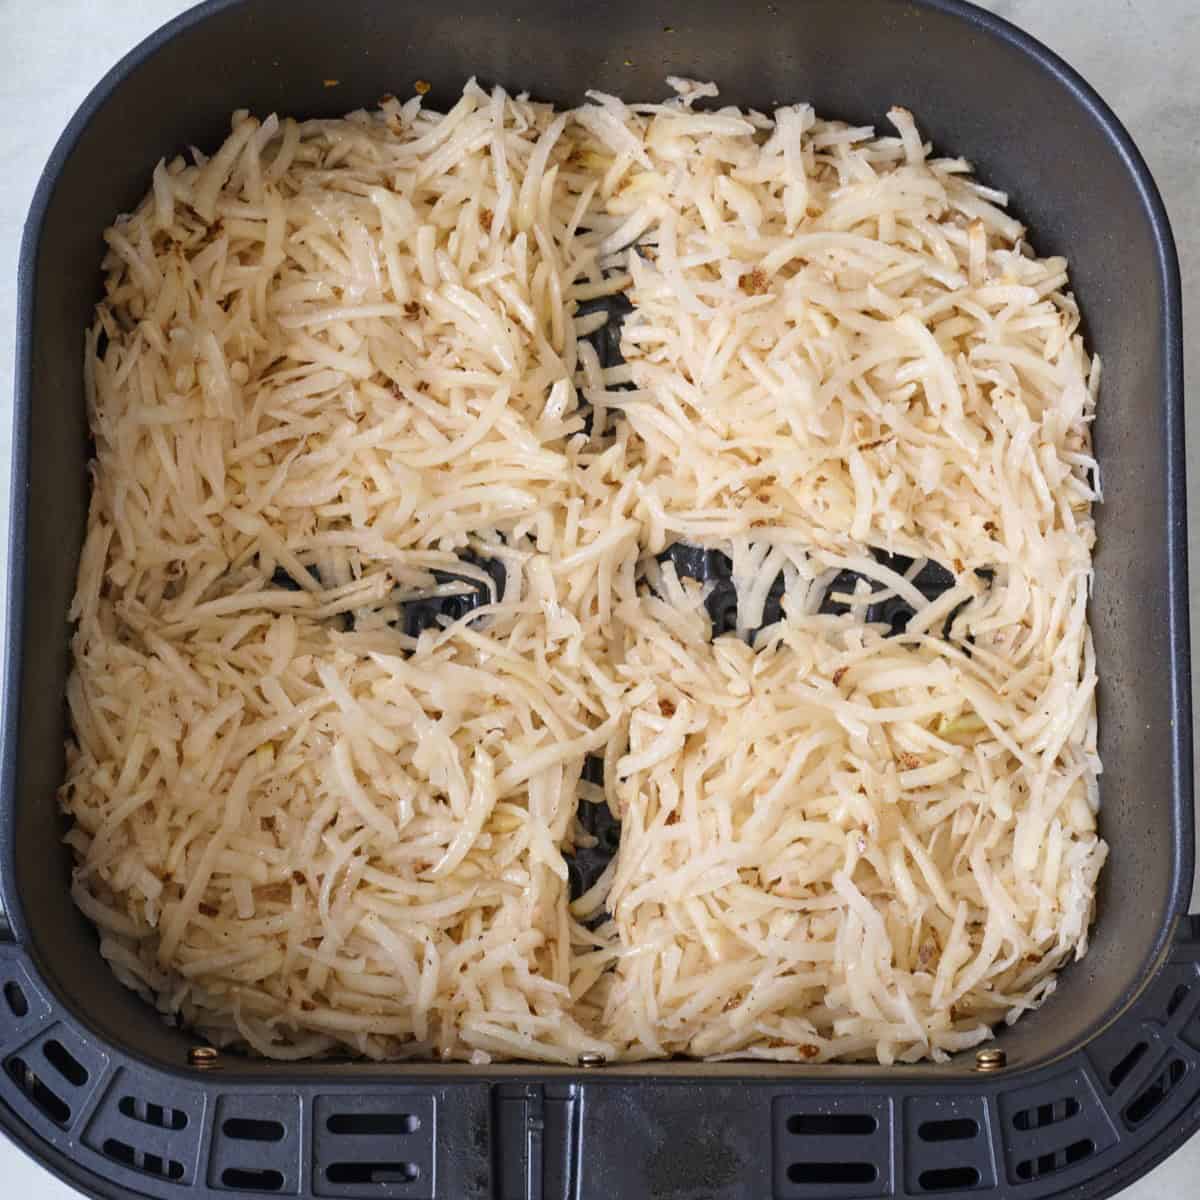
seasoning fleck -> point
(753, 283)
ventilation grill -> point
(47, 1101)
(956, 1129)
(256, 1144)
(1176, 1002)
(21, 1004)
(15, 999)
(1055, 1160)
(1148, 1101)
(374, 1146)
(1124, 1054)
(69, 1068)
(248, 1129)
(383, 1124)
(947, 1145)
(54, 1077)
(372, 1172)
(133, 1125)
(948, 1179)
(1187, 1015)
(832, 1124)
(1044, 1115)
(22, 1010)
(839, 1149)
(252, 1179)
(1059, 1124)
(1170, 998)
(142, 1160)
(157, 1116)
(1125, 1065)
(812, 1174)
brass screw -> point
(589, 1058)
(203, 1057)
(991, 1060)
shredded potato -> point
(341, 371)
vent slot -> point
(832, 1124)
(372, 1172)
(1123, 1069)
(1059, 1160)
(249, 1129)
(1046, 1114)
(606, 341)
(131, 1124)
(1062, 1121)
(811, 1173)
(136, 1160)
(945, 1179)
(1143, 1105)
(434, 612)
(376, 1145)
(1178, 996)
(65, 1063)
(14, 997)
(157, 1116)
(257, 1138)
(931, 581)
(48, 1102)
(587, 863)
(947, 1147)
(368, 1124)
(247, 1179)
(960, 1129)
(835, 1145)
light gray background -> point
(1142, 55)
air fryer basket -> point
(1099, 1084)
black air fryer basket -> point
(1095, 1087)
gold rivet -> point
(203, 1056)
(991, 1060)
(589, 1058)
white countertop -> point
(1140, 54)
